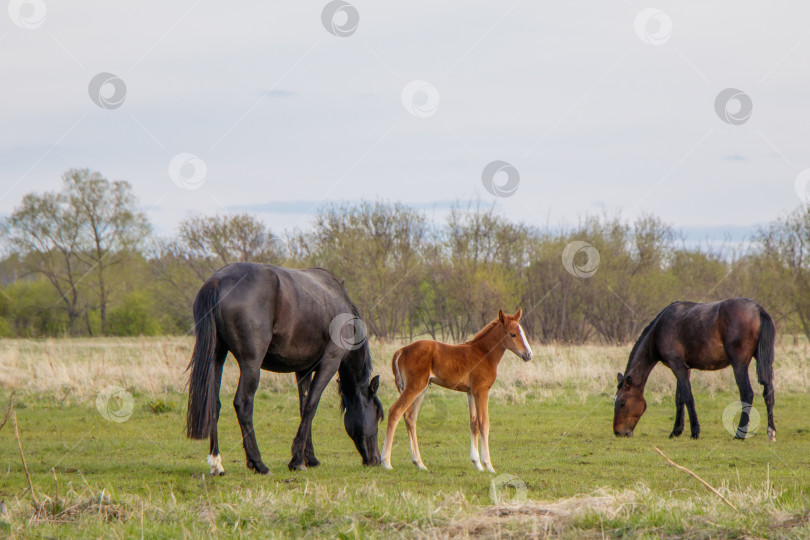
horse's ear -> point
(501, 316)
(618, 377)
(518, 314)
(374, 385)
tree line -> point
(83, 261)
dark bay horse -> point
(469, 367)
(281, 320)
(686, 336)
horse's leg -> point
(679, 407)
(481, 397)
(214, 458)
(250, 372)
(746, 394)
(474, 457)
(767, 393)
(406, 398)
(682, 375)
(326, 368)
(410, 422)
(304, 380)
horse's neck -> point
(641, 365)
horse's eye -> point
(513, 335)
(622, 404)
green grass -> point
(143, 476)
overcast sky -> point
(596, 105)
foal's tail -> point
(201, 394)
(767, 337)
(395, 368)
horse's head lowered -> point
(363, 411)
(515, 338)
(629, 406)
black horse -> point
(281, 320)
(686, 336)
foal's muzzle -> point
(526, 356)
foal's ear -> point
(501, 316)
(619, 377)
(518, 314)
(374, 385)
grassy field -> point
(561, 472)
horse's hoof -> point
(258, 468)
(387, 466)
(695, 435)
(421, 466)
(674, 434)
(217, 473)
(297, 466)
(771, 434)
(312, 461)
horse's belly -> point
(280, 364)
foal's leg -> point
(214, 458)
(482, 407)
(304, 380)
(412, 390)
(679, 407)
(474, 430)
(410, 422)
(746, 394)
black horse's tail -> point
(201, 394)
(767, 337)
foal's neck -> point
(490, 341)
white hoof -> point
(215, 462)
(478, 466)
(771, 434)
(421, 466)
(387, 466)
(489, 468)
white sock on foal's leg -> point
(215, 462)
(474, 457)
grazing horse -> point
(686, 336)
(281, 320)
(469, 367)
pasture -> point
(560, 470)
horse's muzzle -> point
(527, 356)
(625, 433)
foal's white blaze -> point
(525, 341)
(215, 462)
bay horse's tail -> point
(395, 368)
(765, 347)
(201, 395)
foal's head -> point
(515, 338)
(629, 406)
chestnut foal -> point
(469, 367)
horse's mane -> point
(638, 342)
(484, 331)
(356, 367)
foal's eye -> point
(513, 335)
